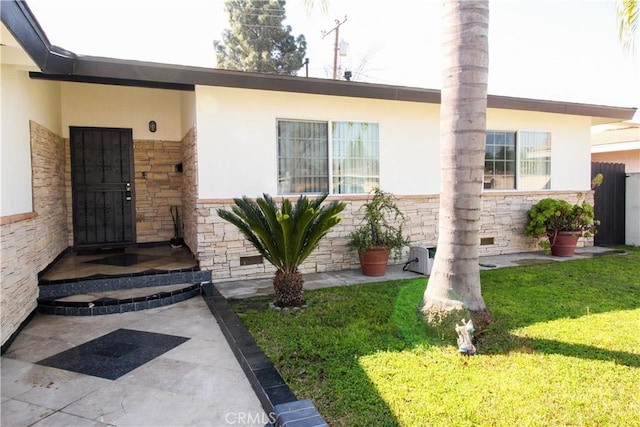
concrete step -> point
(109, 295)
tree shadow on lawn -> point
(540, 345)
(522, 296)
(318, 350)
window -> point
(304, 152)
(500, 160)
(517, 160)
(355, 157)
(303, 159)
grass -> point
(564, 350)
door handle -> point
(127, 191)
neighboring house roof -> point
(623, 136)
(59, 64)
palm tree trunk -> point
(287, 287)
(454, 285)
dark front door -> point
(102, 187)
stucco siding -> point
(237, 140)
(630, 158)
(96, 105)
(570, 143)
(23, 99)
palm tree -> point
(627, 11)
(453, 290)
(285, 237)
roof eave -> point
(24, 27)
(59, 64)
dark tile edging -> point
(274, 394)
(113, 306)
(114, 283)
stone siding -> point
(31, 242)
(190, 188)
(161, 188)
(220, 245)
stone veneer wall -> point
(220, 245)
(504, 218)
(190, 189)
(32, 241)
(161, 189)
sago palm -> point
(284, 236)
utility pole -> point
(335, 45)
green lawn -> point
(564, 350)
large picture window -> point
(304, 152)
(517, 160)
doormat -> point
(115, 354)
(123, 260)
(100, 251)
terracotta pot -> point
(374, 261)
(565, 242)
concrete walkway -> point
(197, 383)
(252, 287)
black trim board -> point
(111, 81)
(275, 396)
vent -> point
(251, 260)
(486, 241)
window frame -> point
(330, 158)
(518, 152)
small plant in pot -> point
(562, 223)
(380, 233)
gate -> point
(609, 200)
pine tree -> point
(257, 40)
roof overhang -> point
(62, 65)
(615, 147)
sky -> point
(564, 50)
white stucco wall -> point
(188, 110)
(630, 158)
(23, 99)
(87, 104)
(237, 139)
(570, 143)
(632, 218)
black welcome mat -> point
(123, 260)
(115, 354)
(100, 251)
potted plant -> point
(380, 233)
(562, 223)
(177, 241)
